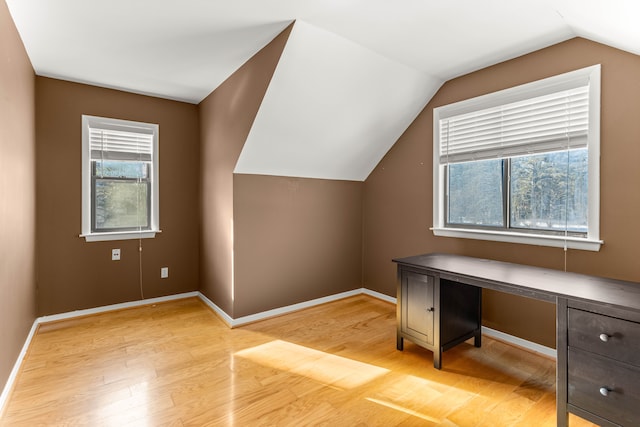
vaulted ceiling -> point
(353, 75)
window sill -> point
(523, 238)
(120, 235)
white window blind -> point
(551, 122)
(110, 143)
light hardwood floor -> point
(177, 364)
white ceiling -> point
(353, 75)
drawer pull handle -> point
(429, 309)
(604, 391)
(604, 337)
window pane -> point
(121, 169)
(543, 198)
(475, 193)
(121, 205)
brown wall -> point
(267, 241)
(73, 274)
(17, 195)
(226, 116)
(295, 240)
(398, 193)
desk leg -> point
(437, 358)
(399, 342)
(561, 363)
(477, 338)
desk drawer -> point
(608, 336)
(605, 388)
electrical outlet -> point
(164, 272)
(115, 254)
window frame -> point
(88, 181)
(546, 86)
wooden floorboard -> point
(177, 364)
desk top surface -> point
(535, 282)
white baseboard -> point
(383, 297)
(16, 367)
(220, 312)
(519, 342)
(112, 307)
(231, 322)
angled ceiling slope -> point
(332, 110)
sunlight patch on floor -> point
(419, 397)
(410, 387)
(320, 366)
(403, 409)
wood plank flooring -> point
(177, 364)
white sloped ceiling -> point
(332, 109)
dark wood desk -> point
(597, 325)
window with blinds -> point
(120, 185)
(521, 164)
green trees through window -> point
(475, 193)
(537, 192)
(121, 195)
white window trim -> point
(592, 241)
(90, 236)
